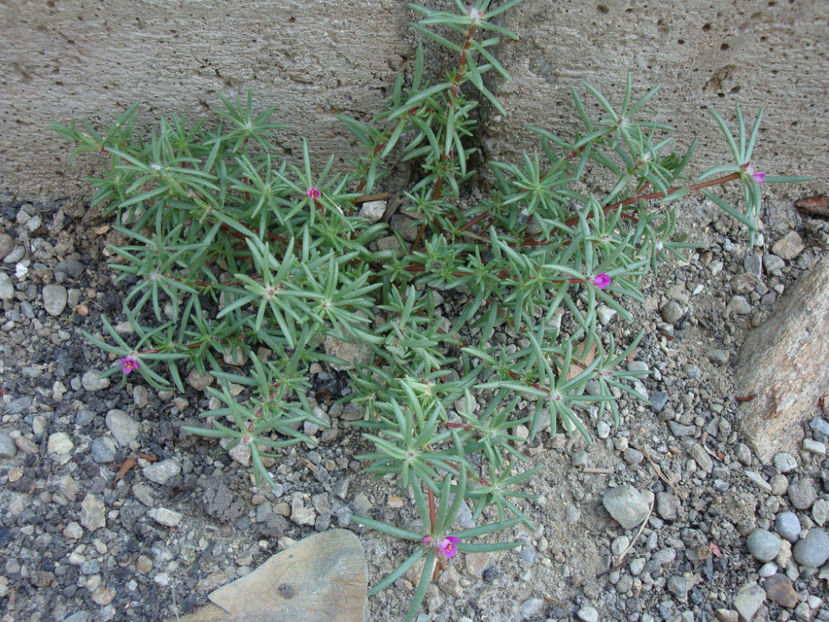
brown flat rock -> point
(322, 578)
(783, 367)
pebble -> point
(619, 544)
(54, 299)
(6, 287)
(160, 472)
(588, 614)
(748, 600)
(779, 485)
(820, 425)
(820, 511)
(785, 462)
(59, 443)
(602, 429)
(605, 314)
(779, 589)
(802, 493)
(743, 453)
(667, 505)
(763, 545)
(739, 305)
(15, 255)
(681, 431)
(701, 457)
(73, 531)
(93, 513)
(788, 526)
(789, 246)
(626, 505)
(813, 550)
(680, 585)
(102, 450)
(637, 565)
(531, 607)
(92, 381)
(672, 312)
(633, 456)
(773, 264)
(658, 400)
(163, 516)
(123, 428)
(814, 447)
(718, 356)
(372, 210)
(6, 245)
(7, 447)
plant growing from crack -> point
(244, 265)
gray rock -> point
(802, 493)
(70, 267)
(6, 287)
(160, 472)
(93, 513)
(820, 511)
(813, 550)
(672, 312)
(163, 516)
(763, 545)
(373, 210)
(701, 457)
(54, 299)
(788, 526)
(718, 356)
(773, 264)
(743, 453)
(102, 450)
(738, 305)
(59, 443)
(602, 429)
(626, 505)
(820, 425)
(78, 616)
(680, 585)
(633, 456)
(16, 254)
(753, 264)
(7, 447)
(588, 614)
(748, 600)
(681, 431)
(667, 505)
(361, 505)
(92, 381)
(785, 462)
(6, 245)
(531, 607)
(658, 400)
(123, 428)
(19, 404)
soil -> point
(81, 540)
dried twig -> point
(659, 472)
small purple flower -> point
(601, 280)
(129, 364)
(446, 546)
(313, 193)
(758, 176)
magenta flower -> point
(313, 193)
(129, 364)
(446, 546)
(758, 176)
(601, 280)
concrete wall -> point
(319, 58)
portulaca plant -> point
(243, 264)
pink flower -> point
(758, 176)
(446, 546)
(601, 280)
(129, 364)
(313, 193)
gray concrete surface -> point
(319, 58)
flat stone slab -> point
(322, 578)
(783, 367)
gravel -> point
(84, 541)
